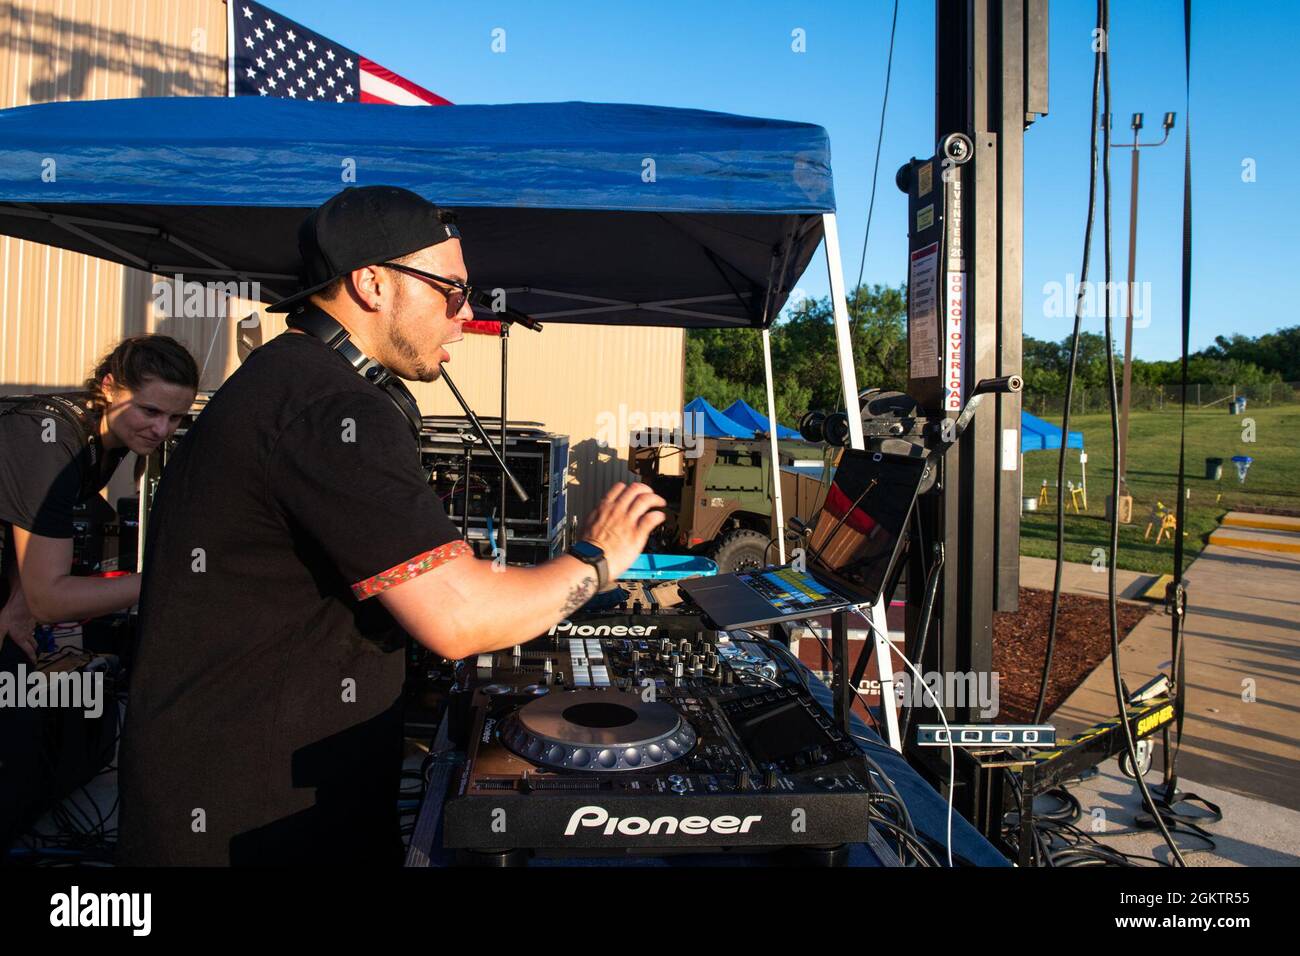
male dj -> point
(294, 538)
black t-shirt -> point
(44, 458)
(263, 724)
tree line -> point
(1232, 360)
(725, 364)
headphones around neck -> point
(320, 324)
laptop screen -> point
(855, 537)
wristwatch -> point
(588, 553)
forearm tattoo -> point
(579, 594)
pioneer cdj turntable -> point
(639, 732)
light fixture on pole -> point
(1136, 124)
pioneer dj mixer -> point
(632, 730)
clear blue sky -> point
(736, 57)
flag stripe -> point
(386, 86)
(375, 89)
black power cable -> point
(1179, 609)
(1054, 616)
(1103, 25)
(923, 627)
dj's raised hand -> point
(622, 522)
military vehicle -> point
(720, 500)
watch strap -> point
(600, 564)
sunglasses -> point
(457, 295)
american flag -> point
(271, 55)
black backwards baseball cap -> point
(359, 227)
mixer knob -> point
(770, 780)
(742, 781)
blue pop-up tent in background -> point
(712, 423)
(742, 413)
(1039, 435)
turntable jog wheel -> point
(598, 731)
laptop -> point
(854, 547)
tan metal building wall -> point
(59, 311)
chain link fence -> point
(1166, 397)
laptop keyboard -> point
(790, 591)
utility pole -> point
(1136, 147)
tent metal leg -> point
(843, 342)
(776, 460)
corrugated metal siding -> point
(573, 378)
(60, 311)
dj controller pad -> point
(632, 729)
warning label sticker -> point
(954, 336)
(924, 180)
(923, 310)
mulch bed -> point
(1082, 642)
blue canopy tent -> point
(715, 424)
(582, 212)
(741, 412)
(558, 202)
(1036, 434)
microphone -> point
(485, 301)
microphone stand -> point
(504, 319)
(483, 437)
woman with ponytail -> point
(57, 451)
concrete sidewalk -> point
(1251, 833)
(1243, 669)
(1081, 579)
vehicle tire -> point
(740, 550)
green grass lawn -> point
(1272, 482)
